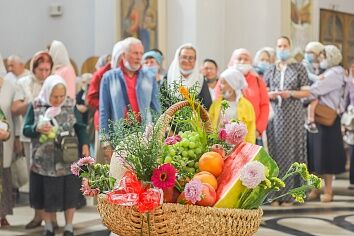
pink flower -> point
(235, 132)
(252, 174)
(164, 176)
(86, 161)
(173, 140)
(222, 134)
(87, 190)
(75, 169)
(193, 190)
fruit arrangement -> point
(183, 151)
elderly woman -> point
(52, 185)
(184, 70)
(326, 151)
(153, 60)
(255, 92)
(261, 61)
(7, 136)
(232, 82)
(285, 132)
(62, 66)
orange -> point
(207, 177)
(211, 162)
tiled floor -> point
(312, 218)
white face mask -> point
(186, 72)
(129, 67)
(227, 94)
(324, 64)
(243, 68)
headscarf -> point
(315, 47)
(174, 71)
(3, 71)
(118, 50)
(236, 54)
(256, 59)
(101, 62)
(235, 79)
(157, 56)
(59, 54)
(333, 55)
(47, 89)
(36, 57)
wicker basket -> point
(176, 219)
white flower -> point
(252, 174)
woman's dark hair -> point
(211, 61)
(40, 58)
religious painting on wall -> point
(139, 19)
(301, 24)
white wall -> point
(86, 27)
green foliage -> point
(138, 147)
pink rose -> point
(222, 134)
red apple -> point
(219, 149)
(208, 196)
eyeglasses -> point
(187, 58)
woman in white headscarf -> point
(232, 82)
(184, 70)
(52, 185)
(326, 152)
(62, 66)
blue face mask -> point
(309, 57)
(262, 67)
(283, 55)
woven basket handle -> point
(166, 118)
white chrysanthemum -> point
(252, 174)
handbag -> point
(347, 119)
(325, 115)
(19, 171)
(69, 146)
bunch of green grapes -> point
(50, 136)
(185, 154)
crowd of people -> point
(275, 96)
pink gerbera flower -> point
(235, 132)
(164, 176)
(252, 174)
(75, 169)
(193, 191)
(86, 161)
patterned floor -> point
(312, 218)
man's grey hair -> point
(129, 42)
(16, 58)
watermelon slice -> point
(230, 187)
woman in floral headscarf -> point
(232, 82)
(326, 151)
